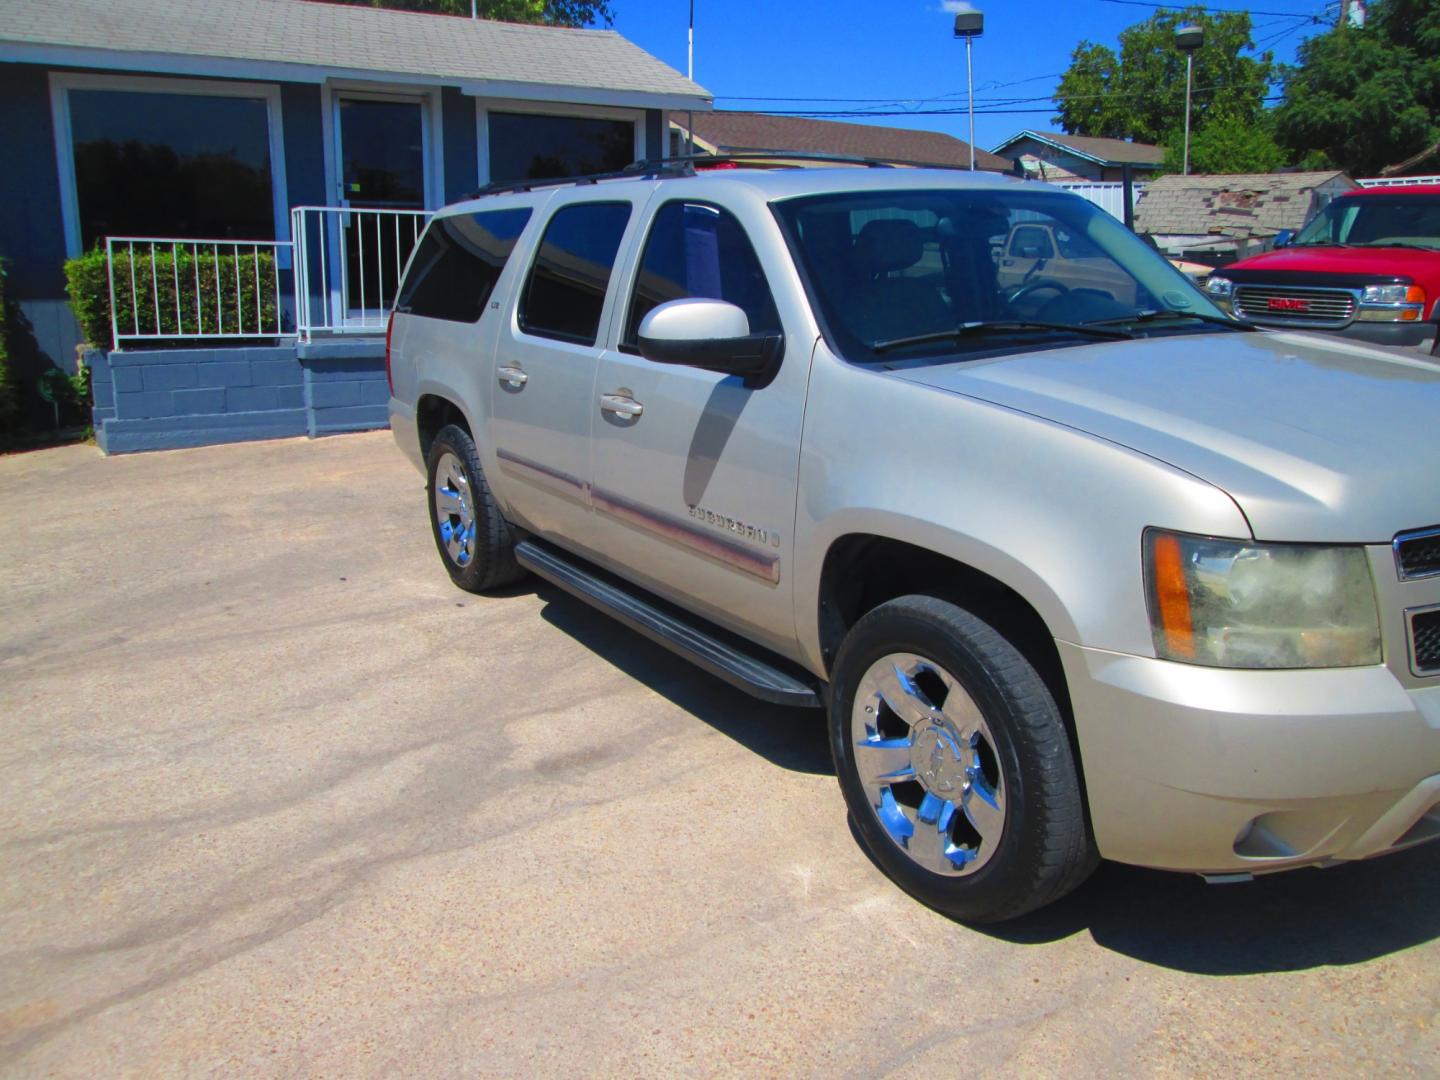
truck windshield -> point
(1376, 221)
(893, 274)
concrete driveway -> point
(276, 800)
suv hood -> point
(1315, 440)
(1388, 263)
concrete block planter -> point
(164, 399)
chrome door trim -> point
(734, 556)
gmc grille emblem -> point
(1288, 303)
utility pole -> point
(690, 74)
(970, 24)
(1187, 40)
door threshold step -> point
(724, 655)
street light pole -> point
(970, 24)
(1187, 40)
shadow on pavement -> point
(791, 738)
(1302, 919)
(1346, 914)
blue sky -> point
(903, 49)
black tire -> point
(1044, 849)
(488, 559)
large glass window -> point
(695, 249)
(528, 146)
(566, 291)
(459, 261)
(162, 164)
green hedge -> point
(219, 306)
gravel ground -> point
(276, 800)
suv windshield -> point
(905, 274)
(1377, 221)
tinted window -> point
(524, 146)
(458, 263)
(1032, 243)
(567, 284)
(188, 165)
(699, 250)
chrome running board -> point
(723, 655)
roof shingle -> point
(332, 37)
(726, 130)
(1246, 204)
(1105, 151)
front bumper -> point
(1222, 771)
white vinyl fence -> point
(1109, 195)
(1399, 181)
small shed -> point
(1221, 218)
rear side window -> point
(566, 290)
(695, 249)
(458, 262)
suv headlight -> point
(1239, 604)
(1219, 288)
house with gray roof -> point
(215, 120)
(1050, 155)
(726, 131)
(1220, 218)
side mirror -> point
(1283, 237)
(712, 335)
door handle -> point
(512, 376)
(626, 408)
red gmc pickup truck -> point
(1368, 266)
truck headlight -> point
(1241, 604)
(1219, 288)
(1392, 303)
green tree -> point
(1361, 99)
(548, 12)
(1140, 94)
(1226, 146)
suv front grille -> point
(1417, 554)
(1308, 307)
(1425, 641)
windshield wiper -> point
(1148, 316)
(998, 326)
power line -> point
(1217, 10)
(887, 100)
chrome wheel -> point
(927, 762)
(455, 509)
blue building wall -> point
(462, 144)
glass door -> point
(383, 144)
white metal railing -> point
(348, 262)
(163, 288)
(1399, 181)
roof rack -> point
(686, 165)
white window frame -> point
(61, 83)
(484, 107)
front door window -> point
(382, 153)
